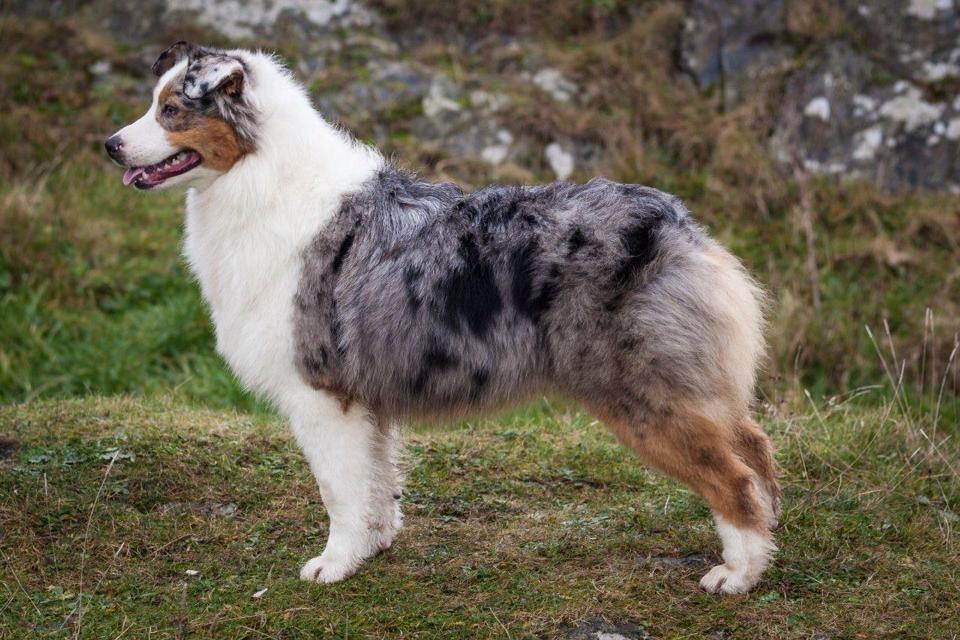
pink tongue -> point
(130, 175)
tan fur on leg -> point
(706, 455)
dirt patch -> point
(7, 446)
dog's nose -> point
(113, 145)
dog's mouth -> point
(154, 175)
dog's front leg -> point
(353, 457)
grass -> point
(518, 527)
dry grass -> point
(529, 523)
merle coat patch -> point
(419, 299)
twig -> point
(806, 222)
(157, 551)
(943, 383)
(505, 630)
(123, 631)
(86, 539)
(816, 412)
(20, 584)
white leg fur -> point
(746, 553)
(354, 461)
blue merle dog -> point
(355, 296)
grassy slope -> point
(515, 528)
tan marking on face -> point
(214, 140)
(212, 137)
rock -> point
(876, 102)
(100, 68)
(911, 109)
(867, 143)
(600, 630)
(553, 82)
(924, 9)
(441, 98)
(203, 509)
(918, 40)
(476, 138)
(819, 107)
(385, 89)
(734, 44)
(840, 117)
(496, 154)
(560, 160)
(387, 85)
(695, 560)
(241, 19)
(480, 99)
(305, 26)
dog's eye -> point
(168, 110)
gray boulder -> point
(733, 45)
(841, 115)
(874, 96)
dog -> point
(354, 296)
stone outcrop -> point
(852, 88)
(878, 99)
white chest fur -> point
(248, 277)
(245, 251)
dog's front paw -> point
(723, 579)
(329, 567)
(344, 554)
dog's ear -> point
(174, 54)
(221, 73)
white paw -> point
(329, 567)
(344, 555)
(723, 579)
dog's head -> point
(202, 120)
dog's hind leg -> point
(353, 457)
(703, 453)
(754, 447)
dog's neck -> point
(247, 228)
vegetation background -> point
(130, 455)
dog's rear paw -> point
(723, 579)
(329, 567)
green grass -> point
(518, 527)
